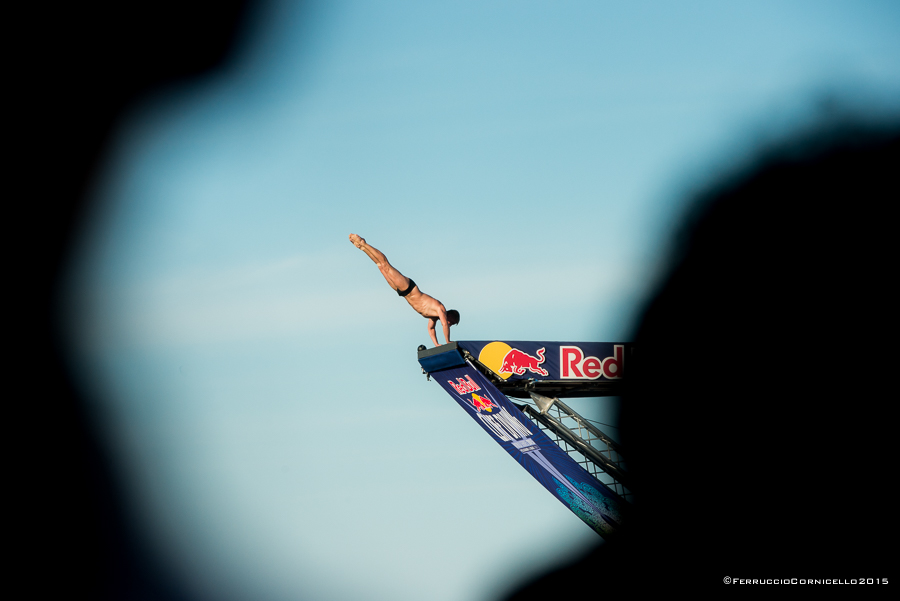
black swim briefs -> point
(412, 285)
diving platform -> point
(570, 456)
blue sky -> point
(526, 163)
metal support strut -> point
(606, 459)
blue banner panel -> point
(575, 488)
(574, 361)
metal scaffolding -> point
(599, 454)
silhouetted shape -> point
(769, 457)
(77, 68)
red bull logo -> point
(483, 404)
(464, 386)
(505, 360)
(574, 365)
(501, 423)
(516, 362)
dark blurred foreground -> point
(78, 67)
(759, 426)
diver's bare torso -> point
(425, 305)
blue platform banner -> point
(568, 481)
(519, 360)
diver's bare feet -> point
(357, 241)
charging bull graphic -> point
(516, 362)
(483, 403)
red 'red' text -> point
(573, 365)
(464, 386)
